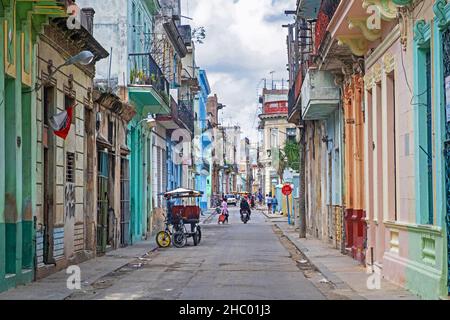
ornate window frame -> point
(422, 46)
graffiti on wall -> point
(69, 200)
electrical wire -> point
(413, 96)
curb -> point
(329, 275)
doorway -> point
(49, 176)
(102, 201)
(446, 55)
(125, 237)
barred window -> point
(70, 167)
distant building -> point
(275, 130)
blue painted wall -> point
(204, 141)
(334, 132)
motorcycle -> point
(245, 216)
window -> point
(70, 167)
(111, 130)
(424, 127)
(291, 134)
(48, 104)
(429, 143)
(274, 143)
(68, 102)
(392, 146)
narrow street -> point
(234, 261)
(261, 260)
(123, 119)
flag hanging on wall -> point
(62, 122)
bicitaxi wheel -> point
(163, 239)
(179, 239)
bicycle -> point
(164, 238)
(180, 234)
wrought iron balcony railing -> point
(326, 13)
(186, 114)
(145, 71)
(294, 93)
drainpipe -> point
(343, 190)
(150, 172)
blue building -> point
(202, 139)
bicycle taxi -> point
(184, 217)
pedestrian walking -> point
(274, 204)
(269, 203)
(260, 198)
(225, 209)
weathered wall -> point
(323, 179)
(68, 207)
(354, 198)
(117, 150)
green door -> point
(102, 202)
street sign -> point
(287, 190)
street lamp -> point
(150, 121)
(84, 58)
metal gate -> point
(125, 238)
(446, 54)
(102, 201)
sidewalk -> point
(54, 286)
(348, 276)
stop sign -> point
(287, 190)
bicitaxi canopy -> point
(183, 193)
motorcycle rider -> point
(245, 207)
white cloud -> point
(245, 41)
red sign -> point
(276, 107)
(287, 190)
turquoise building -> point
(431, 56)
(148, 91)
(18, 36)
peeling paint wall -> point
(323, 173)
(67, 222)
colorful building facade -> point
(21, 24)
(64, 216)
(133, 75)
(202, 139)
(395, 92)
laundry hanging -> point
(61, 122)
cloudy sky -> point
(244, 42)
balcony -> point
(55, 8)
(148, 88)
(186, 114)
(326, 13)
(181, 116)
(320, 95)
